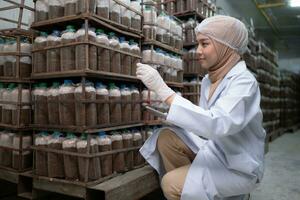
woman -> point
(229, 164)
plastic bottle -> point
(103, 8)
(81, 59)
(115, 12)
(2, 90)
(163, 22)
(118, 158)
(42, 10)
(103, 107)
(67, 105)
(136, 104)
(41, 109)
(150, 15)
(41, 157)
(134, 49)
(53, 104)
(126, 104)
(7, 141)
(86, 113)
(178, 37)
(149, 32)
(190, 5)
(67, 54)
(137, 141)
(56, 9)
(103, 57)
(10, 61)
(55, 160)
(7, 108)
(115, 104)
(128, 143)
(70, 162)
(115, 57)
(70, 7)
(1, 145)
(172, 31)
(40, 57)
(125, 59)
(53, 55)
(105, 144)
(194, 65)
(2, 58)
(94, 170)
(25, 67)
(180, 70)
(81, 6)
(147, 56)
(135, 18)
(25, 110)
(190, 33)
(22, 160)
(25, 46)
(126, 14)
(180, 6)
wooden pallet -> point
(275, 134)
(292, 129)
(134, 184)
(267, 144)
(21, 182)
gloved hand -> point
(153, 81)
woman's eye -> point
(204, 44)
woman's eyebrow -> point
(203, 40)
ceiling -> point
(274, 21)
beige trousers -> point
(177, 159)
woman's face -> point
(208, 56)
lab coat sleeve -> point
(229, 115)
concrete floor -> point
(282, 172)
(281, 179)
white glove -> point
(153, 81)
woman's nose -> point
(199, 49)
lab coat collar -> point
(239, 68)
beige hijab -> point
(227, 58)
(230, 38)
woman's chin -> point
(203, 66)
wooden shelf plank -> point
(163, 46)
(84, 73)
(189, 14)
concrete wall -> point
(292, 64)
(289, 59)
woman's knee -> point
(169, 189)
(164, 138)
(172, 182)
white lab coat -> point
(230, 163)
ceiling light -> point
(294, 3)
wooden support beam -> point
(13, 21)
(8, 8)
(271, 5)
(132, 185)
